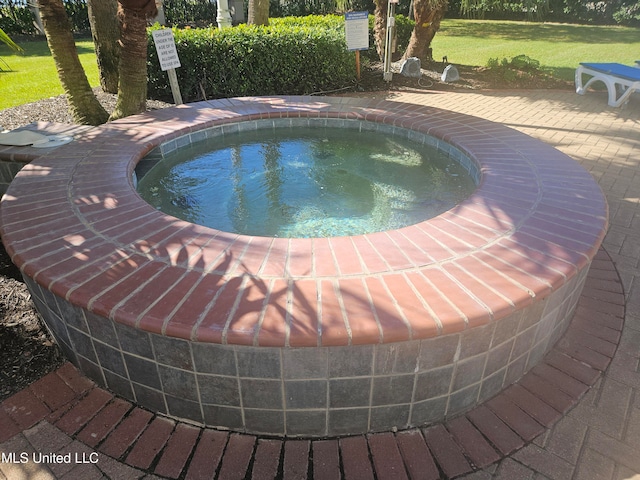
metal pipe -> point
(391, 29)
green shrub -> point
(16, 20)
(331, 22)
(182, 12)
(286, 58)
(628, 15)
(404, 26)
(510, 71)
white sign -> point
(166, 48)
(356, 26)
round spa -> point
(315, 336)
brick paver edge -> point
(507, 422)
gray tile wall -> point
(315, 391)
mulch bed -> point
(27, 351)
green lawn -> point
(559, 47)
(33, 73)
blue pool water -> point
(306, 182)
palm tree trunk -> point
(428, 15)
(258, 13)
(380, 26)
(83, 104)
(132, 86)
(103, 18)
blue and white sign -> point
(356, 26)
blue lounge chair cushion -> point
(617, 69)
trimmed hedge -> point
(292, 56)
(285, 58)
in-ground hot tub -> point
(305, 336)
(295, 180)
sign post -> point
(169, 61)
(356, 26)
(387, 75)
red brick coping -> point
(305, 337)
(101, 422)
(73, 222)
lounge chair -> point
(620, 80)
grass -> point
(33, 73)
(558, 47)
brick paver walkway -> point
(597, 437)
(600, 438)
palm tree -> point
(83, 104)
(4, 38)
(380, 26)
(105, 28)
(132, 85)
(427, 14)
(258, 13)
